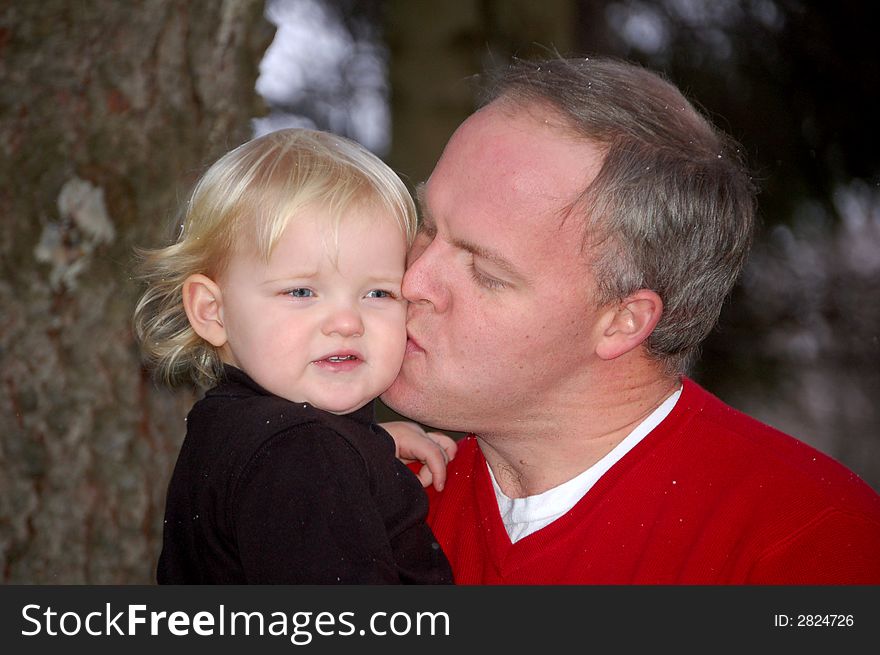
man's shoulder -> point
(755, 451)
(706, 416)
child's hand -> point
(433, 449)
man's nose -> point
(424, 281)
(345, 321)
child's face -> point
(316, 325)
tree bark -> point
(109, 111)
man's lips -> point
(412, 346)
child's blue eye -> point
(300, 293)
(380, 293)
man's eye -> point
(299, 292)
(486, 281)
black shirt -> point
(266, 491)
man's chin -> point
(406, 400)
(394, 396)
(411, 405)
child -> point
(283, 292)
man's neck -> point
(541, 451)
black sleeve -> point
(303, 513)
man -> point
(580, 233)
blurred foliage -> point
(797, 83)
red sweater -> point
(710, 496)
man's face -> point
(501, 322)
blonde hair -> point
(248, 198)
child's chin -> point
(342, 407)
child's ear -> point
(629, 323)
(203, 303)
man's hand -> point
(433, 449)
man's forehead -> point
(514, 154)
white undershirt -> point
(523, 516)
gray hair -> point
(672, 208)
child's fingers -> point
(425, 476)
(446, 443)
(434, 469)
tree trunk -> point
(109, 110)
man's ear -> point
(629, 323)
(203, 303)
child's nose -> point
(344, 321)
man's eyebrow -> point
(487, 254)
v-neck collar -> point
(506, 556)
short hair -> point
(246, 199)
(672, 208)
